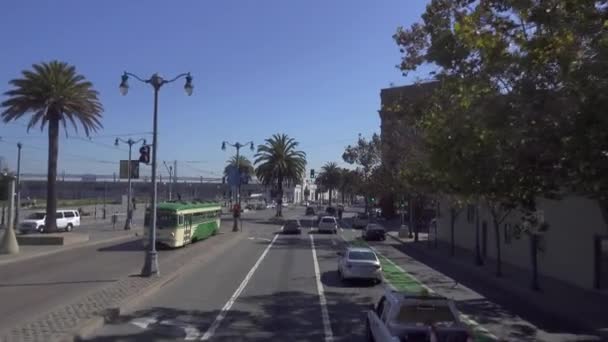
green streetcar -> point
(181, 223)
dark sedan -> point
(292, 227)
(310, 211)
(373, 231)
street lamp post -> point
(151, 262)
(18, 195)
(129, 142)
(235, 227)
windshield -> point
(163, 219)
(425, 314)
(328, 220)
(361, 255)
(36, 216)
(292, 224)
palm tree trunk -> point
(498, 251)
(280, 196)
(330, 191)
(51, 188)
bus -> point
(181, 223)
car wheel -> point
(69, 227)
(41, 229)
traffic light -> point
(144, 154)
(312, 173)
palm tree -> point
(330, 177)
(53, 93)
(278, 162)
(244, 165)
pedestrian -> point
(133, 202)
(340, 213)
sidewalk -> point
(106, 283)
(566, 305)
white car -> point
(361, 220)
(328, 224)
(67, 220)
(404, 316)
(359, 263)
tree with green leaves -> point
(520, 94)
(53, 93)
(350, 184)
(244, 166)
(330, 178)
(278, 162)
(366, 154)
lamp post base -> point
(150, 265)
(128, 221)
(235, 225)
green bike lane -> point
(489, 321)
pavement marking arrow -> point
(144, 322)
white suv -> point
(328, 224)
(66, 220)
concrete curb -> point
(68, 248)
(521, 293)
(87, 328)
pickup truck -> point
(405, 316)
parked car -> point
(310, 211)
(331, 211)
(373, 231)
(292, 227)
(361, 220)
(405, 316)
(328, 224)
(67, 220)
(359, 263)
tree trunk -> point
(51, 188)
(413, 219)
(498, 249)
(280, 196)
(330, 191)
(342, 196)
(478, 258)
(534, 259)
(452, 226)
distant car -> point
(359, 263)
(406, 316)
(284, 204)
(328, 224)
(310, 211)
(331, 211)
(292, 227)
(361, 220)
(67, 220)
(373, 231)
(271, 206)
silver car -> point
(359, 263)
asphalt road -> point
(275, 287)
(264, 289)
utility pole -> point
(170, 170)
(18, 207)
(105, 190)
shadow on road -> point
(134, 246)
(281, 316)
(332, 279)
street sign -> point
(233, 175)
(124, 165)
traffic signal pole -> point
(130, 142)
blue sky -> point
(312, 69)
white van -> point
(67, 220)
